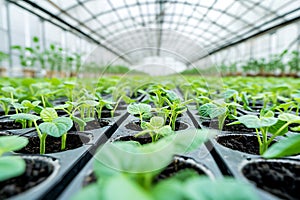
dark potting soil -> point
(178, 164)
(53, 144)
(6, 123)
(136, 125)
(233, 128)
(142, 140)
(243, 143)
(10, 112)
(36, 172)
(107, 114)
(279, 178)
(92, 125)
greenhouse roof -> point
(187, 30)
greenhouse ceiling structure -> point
(150, 99)
(132, 30)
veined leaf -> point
(48, 114)
(252, 121)
(157, 122)
(57, 127)
(289, 117)
(285, 147)
(24, 116)
(139, 108)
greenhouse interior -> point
(150, 99)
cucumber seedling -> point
(267, 123)
(140, 109)
(156, 128)
(51, 125)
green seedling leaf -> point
(273, 129)
(8, 89)
(297, 128)
(211, 110)
(57, 127)
(139, 108)
(11, 166)
(18, 106)
(168, 189)
(90, 103)
(157, 122)
(284, 147)
(25, 116)
(6, 100)
(91, 192)
(285, 106)
(172, 95)
(287, 117)
(132, 157)
(229, 93)
(60, 107)
(12, 143)
(269, 114)
(48, 114)
(127, 189)
(204, 188)
(252, 121)
(79, 121)
(165, 130)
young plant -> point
(72, 107)
(31, 118)
(102, 103)
(6, 102)
(133, 168)
(218, 110)
(231, 95)
(54, 126)
(11, 166)
(156, 128)
(175, 108)
(265, 124)
(140, 109)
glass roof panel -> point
(176, 25)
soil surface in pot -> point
(142, 140)
(234, 128)
(136, 125)
(53, 144)
(243, 143)
(107, 114)
(6, 123)
(10, 112)
(279, 178)
(91, 125)
(36, 172)
(178, 164)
